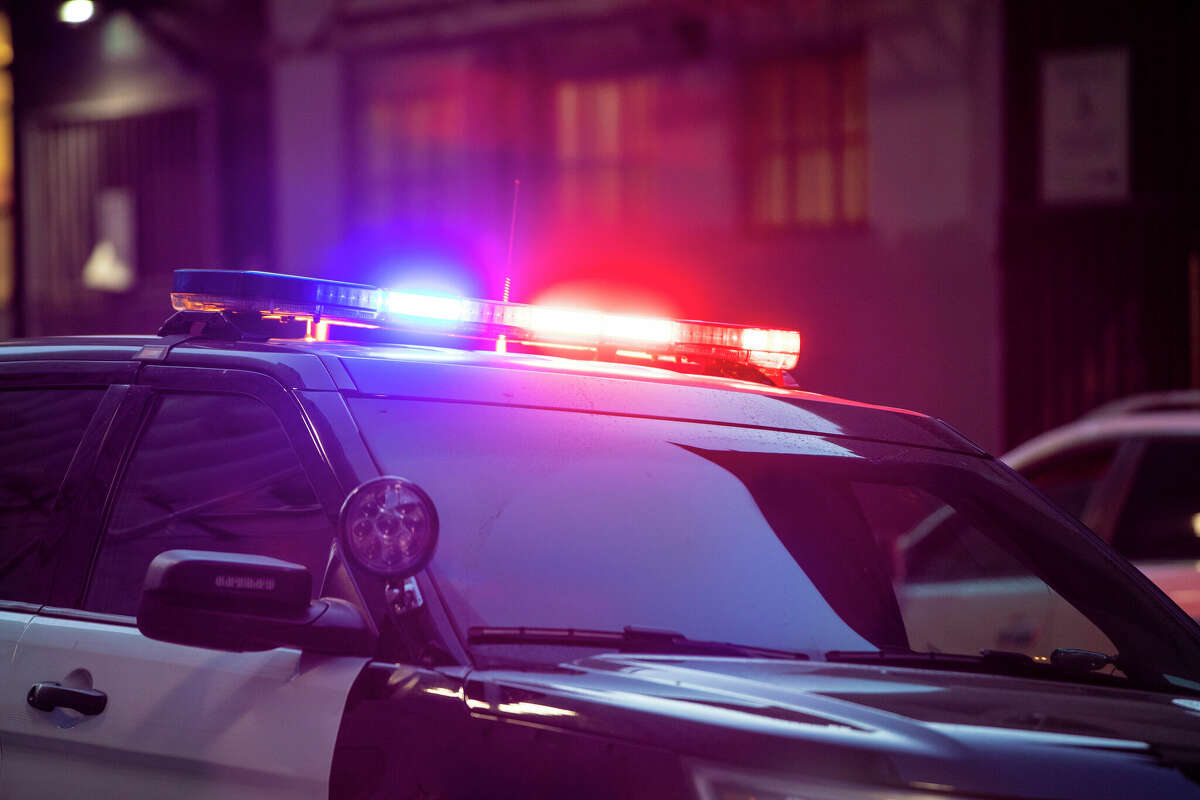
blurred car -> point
(1131, 471)
(322, 539)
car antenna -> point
(502, 341)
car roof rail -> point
(1154, 402)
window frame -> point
(86, 479)
(131, 419)
(751, 137)
(317, 422)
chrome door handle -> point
(47, 696)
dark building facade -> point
(142, 140)
(1101, 205)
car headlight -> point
(721, 783)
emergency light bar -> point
(332, 302)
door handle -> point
(47, 696)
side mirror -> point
(227, 601)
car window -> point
(210, 472)
(770, 539)
(944, 546)
(41, 430)
(961, 589)
(1070, 478)
(1161, 517)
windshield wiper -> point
(1063, 663)
(629, 640)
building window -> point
(439, 138)
(605, 147)
(806, 142)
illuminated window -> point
(438, 137)
(806, 142)
(605, 147)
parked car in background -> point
(1131, 471)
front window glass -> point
(40, 432)
(778, 540)
(963, 588)
(210, 472)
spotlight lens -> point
(389, 526)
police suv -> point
(325, 539)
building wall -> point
(383, 174)
(141, 140)
(113, 192)
(1098, 275)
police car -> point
(324, 539)
(1131, 471)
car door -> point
(201, 459)
(53, 415)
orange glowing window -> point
(7, 266)
(806, 142)
(605, 146)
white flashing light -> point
(424, 306)
(566, 322)
(326, 302)
(639, 329)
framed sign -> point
(1085, 127)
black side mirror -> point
(227, 601)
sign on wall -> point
(1085, 126)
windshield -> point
(769, 539)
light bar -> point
(334, 301)
(247, 290)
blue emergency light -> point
(322, 302)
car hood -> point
(959, 732)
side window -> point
(210, 472)
(961, 588)
(1070, 478)
(1161, 518)
(40, 432)
(945, 547)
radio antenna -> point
(502, 341)
(512, 231)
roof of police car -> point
(517, 379)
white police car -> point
(269, 554)
(1131, 471)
